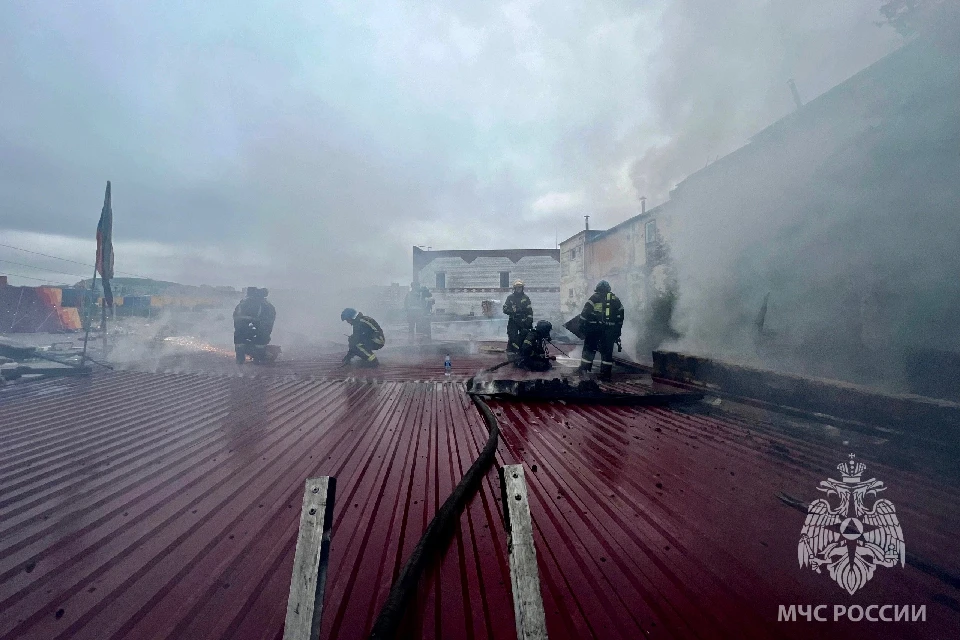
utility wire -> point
(83, 264)
(17, 275)
(30, 266)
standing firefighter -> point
(533, 352)
(601, 322)
(367, 337)
(519, 310)
(418, 305)
(253, 322)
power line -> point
(46, 255)
(17, 275)
(82, 264)
(30, 266)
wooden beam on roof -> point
(305, 604)
(524, 576)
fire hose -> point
(438, 532)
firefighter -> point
(519, 310)
(418, 305)
(601, 321)
(413, 308)
(533, 352)
(253, 322)
(426, 306)
(367, 337)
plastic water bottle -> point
(447, 365)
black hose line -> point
(438, 533)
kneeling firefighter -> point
(367, 337)
(253, 322)
(601, 322)
(533, 351)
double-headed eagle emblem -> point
(850, 539)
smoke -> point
(842, 213)
(306, 146)
(720, 74)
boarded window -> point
(504, 279)
(441, 280)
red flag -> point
(105, 246)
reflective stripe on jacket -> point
(602, 310)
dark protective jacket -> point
(367, 332)
(603, 311)
(534, 346)
(418, 301)
(253, 320)
(519, 308)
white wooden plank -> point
(305, 605)
(524, 575)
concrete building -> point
(460, 280)
(627, 255)
(843, 215)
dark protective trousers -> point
(602, 340)
(365, 352)
(419, 324)
(516, 332)
(249, 341)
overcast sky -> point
(284, 143)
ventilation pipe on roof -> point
(643, 204)
(586, 222)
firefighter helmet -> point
(518, 283)
(603, 287)
(349, 314)
(544, 327)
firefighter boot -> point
(606, 372)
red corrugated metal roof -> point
(150, 505)
(139, 505)
(656, 522)
(393, 366)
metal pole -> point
(103, 324)
(86, 319)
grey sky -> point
(285, 142)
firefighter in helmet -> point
(533, 351)
(253, 322)
(601, 322)
(519, 312)
(367, 337)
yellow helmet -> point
(518, 283)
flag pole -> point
(103, 324)
(87, 319)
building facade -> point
(824, 246)
(629, 256)
(461, 280)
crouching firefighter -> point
(533, 352)
(367, 337)
(253, 322)
(519, 310)
(601, 322)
